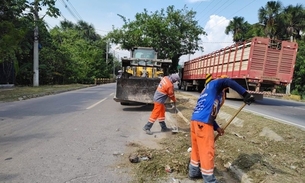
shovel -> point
(241, 107)
(175, 129)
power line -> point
(75, 10)
(49, 26)
(221, 6)
(66, 6)
(242, 8)
(197, 6)
(102, 30)
(234, 13)
(205, 8)
(214, 7)
(62, 16)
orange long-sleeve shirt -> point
(165, 89)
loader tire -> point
(124, 103)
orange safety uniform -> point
(164, 90)
(203, 125)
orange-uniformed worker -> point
(164, 90)
(203, 125)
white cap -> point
(174, 77)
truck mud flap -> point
(136, 89)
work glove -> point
(248, 98)
(220, 131)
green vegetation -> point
(171, 32)
(23, 93)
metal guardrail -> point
(98, 81)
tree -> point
(255, 30)
(12, 33)
(298, 83)
(171, 32)
(36, 6)
(84, 52)
(238, 27)
(17, 20)
(87, 31)
(268, 16)
(293, 20)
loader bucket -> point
(136, 89)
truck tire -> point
(124, 103)
(184, 86)
(200, 88)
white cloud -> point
(216, 38)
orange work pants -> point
(203, 152)
(158, 113)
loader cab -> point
(145, 54)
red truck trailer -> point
(258, 65)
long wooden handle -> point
(241, 107)
(175, 108)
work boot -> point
(147, 128)
(164, 127)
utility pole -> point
(35, 48)
(113, 59)
(288, 86)
(107, 50)
(114, 66)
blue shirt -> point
(209, 101)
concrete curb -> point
(242, 176)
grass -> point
(26, 92)
(245, 146)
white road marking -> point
(293, 107)
(268, 117)
(96, 103)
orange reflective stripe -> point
(152, 120)
(161, 118)
(195, 163)
(207, 172)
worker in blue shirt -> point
(203, 125)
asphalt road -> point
(286, 111)
(77, 136)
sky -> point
(212, 15)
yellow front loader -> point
(140, 76)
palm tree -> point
(255, 30)
(293, 20)
(268, 16)
(238, 27)
(87, 31)
(66, 24)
